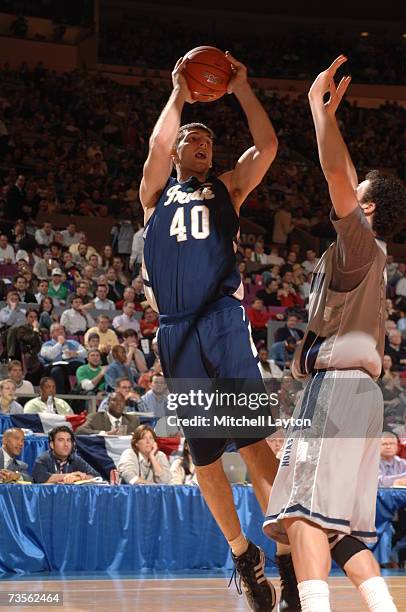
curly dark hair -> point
(389, 196)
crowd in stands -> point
(294, 54)
(74, 319)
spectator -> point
(264, 363)
(127, 320)
(282, 352)
(135, 357)
(15, 200)
(56, 289)
(282, 225)
(20, 285)
(155, 400)
(15, 373)
(8, 403)
(392, 469)
(112, 422)
(90, 376)
(47, 400)
(70, 235)
(107, 337)
(61, 464)
(42, 291)
(11, 468)
(259, 318)
(7, 255)
(290, 329)
(259, 255)
(61, 357)
(139, 296)
(269, 295)
(76, 320)
(119, 269)
(145, 380)
(101, 302)
(400, 289)
(46, 317)
(143, 463)
(46, 235)
(118, 368)
(12, 315)
(396, 350)
(137, 251)
(274, 258)
(291, 260)
(82, 290)
(107, 257)
(311, 261)
(149, 323)
(116, 289)
(183, 471)
(125, 388)
(24, 338)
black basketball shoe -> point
(259, 592)
(290, 600)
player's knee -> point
(345, 549)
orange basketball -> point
(207, 73)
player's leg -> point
(351, 553)
(363, 570)
(262, 467)
(312, 562)
(185, 361)
(312, 483)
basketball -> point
(207, 73)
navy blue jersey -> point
(190, 244)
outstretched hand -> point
(324, 83)
(239, 74)
(179, 81)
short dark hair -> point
(61, 429)
(388, 194)
(44, 380)
(193, 126)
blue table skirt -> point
(128, 528)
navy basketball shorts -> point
(216, 345)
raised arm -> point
(334, 157)
(253, 164)
(158, 165)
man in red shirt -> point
(259, 318)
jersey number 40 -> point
(199, 223)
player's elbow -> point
(271, 146)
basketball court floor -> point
(194, 591)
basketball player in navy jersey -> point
(191, 279)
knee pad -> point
(346, 548)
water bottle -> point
(50, 404)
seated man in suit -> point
(12, 469)
(289, 330)
(112, 422)
(61, 464)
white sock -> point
(375, 593)
(239, 546)
(314, 596)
